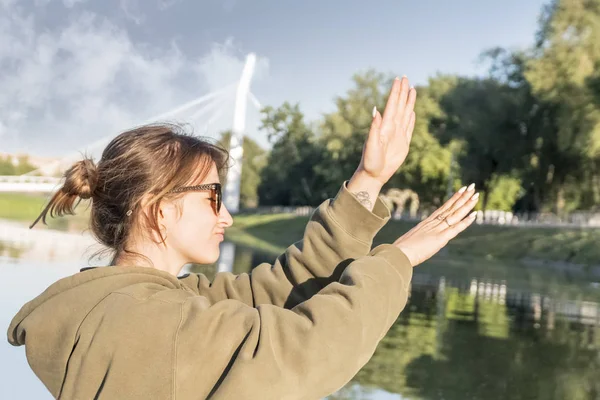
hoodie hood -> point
(48, 325)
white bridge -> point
(207, 108)
(29, 184)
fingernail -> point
(462, 189)
(471, 187)
(473, 214)
(404, 76)
(397, 78)
(374, 111)
(475, 196)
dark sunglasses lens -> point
(218, 197)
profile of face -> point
(193, 229)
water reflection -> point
(491, 336)
(480, 339)
(18, 242)
(454, 344)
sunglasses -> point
(215, 192)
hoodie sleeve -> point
(339, 230)
(306, 352)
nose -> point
(225, 217)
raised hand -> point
(389, 138)
(434, 232)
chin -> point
(214, 258)
(209, 258)
(204, 256)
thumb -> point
(374, 132)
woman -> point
(298, 329)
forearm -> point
(340, 229)
(365, 188)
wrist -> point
(362, 181)
(406, 250)
(365, 188)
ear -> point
(164, 209)
(168, 212)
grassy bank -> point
(580, 246)
(20, 207)
(273, 233)
(26, 207)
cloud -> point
(164, 4)
(224, 64)
(131, 9)
(66, 87)
(72, 3)
(228, 5)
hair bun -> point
(81, 179)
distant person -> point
(300, 328)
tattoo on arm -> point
(364, 199)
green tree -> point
(563, 72)
(289, 176)
(482, 118)
(20, 167)
(253, 161)
(6, 166)
(344, 131)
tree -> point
(253, 161)
(20, 167)
(289, 176)
(344, 131)
(563, 72)
(483, 117)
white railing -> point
(29, 179)
(579, 219)
(29, 184)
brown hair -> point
(151, 159)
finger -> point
(411, 127)
(401, 117)
(379, 119)
(410, 105)
(392, 104)
(402, 100)
(461, 226)
(412, 99)
(459, 212)
(375, 129)
(404, 114)
(466, 196)
(448, 204)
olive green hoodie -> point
(298, 329)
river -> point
(473, 329)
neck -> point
(150, 255)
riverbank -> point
(25, 208)
(556, 245)
(274, 232)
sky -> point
(75, 73)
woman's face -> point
(195, 231)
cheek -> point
(196, 224)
